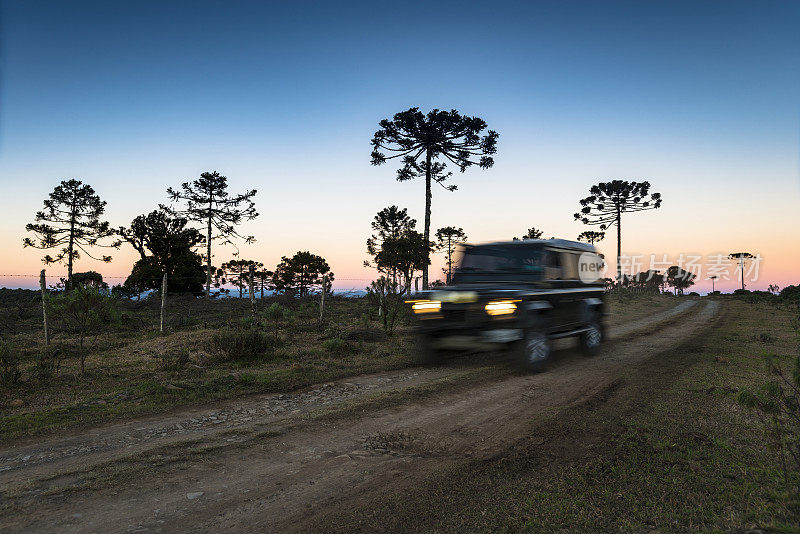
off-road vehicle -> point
(521, 294)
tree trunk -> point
(71, 247)
(163, 300)
(252, 293)
(619, 246)
(741, 268)
(43, 285)
(208, 252)
(449, 259)
(427, 232)
(322, 300)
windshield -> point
(502, 258)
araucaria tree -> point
(237, 272)
(70, 222)
(405, 254)
(532, 233)
(679, 279)
(742, 258)
(591, 237)
(609, 200)
(446, 239)
(424, 143)
(165, 245)
(209, 203)
(389, 223)
(301, 273)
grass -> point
(692, 458)
(134, 371)
(666, 449)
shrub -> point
(389, 303)
(336, 345)
(334, 331)
(242, 344)
(9, 364)
(366, 334)
(276, 313)
(176, 360)
(83, 311)
(791, 294)
(48, 361)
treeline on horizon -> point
(175, 241)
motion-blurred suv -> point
(520, 294)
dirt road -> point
(286, 462)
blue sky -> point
(701, 98)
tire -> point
(533, 352)
(592, 340)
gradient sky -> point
(700, 98)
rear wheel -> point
(592, 338)
(533, 352)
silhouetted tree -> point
(648, 281)
(408, 253)
(83, 311)
(237, 272)
(165, 245)
(91, 279)
(679, 279)
(592, 237)
(389, 223)
(420, 140)
(70, 220)
(609, 200)
(209, 203)
(447, 238)
(742, 258)
(533, 233)
(262, 281)
(301, 273)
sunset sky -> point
(700, 98)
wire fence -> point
(31, 281)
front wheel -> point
(534, 350)
(591, 339)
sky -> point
(702, 99)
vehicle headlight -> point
(426, 306)
(501, 307)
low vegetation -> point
(668, 447)
(98, 369)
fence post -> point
(252, 293)
(43, 285)
(322, 301)
(163, 299)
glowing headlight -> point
(426, 306)
(501, 307)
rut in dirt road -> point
(34, 457)
(262, 480)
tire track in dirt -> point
(278, 482)
(38, 456)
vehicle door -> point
(572, 296)
(554, 288)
